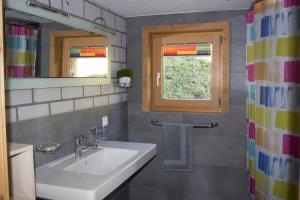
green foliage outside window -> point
(186, 77)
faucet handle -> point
(94, 130)
(78, 139)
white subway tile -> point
(18, 97)
(76, 7)
(67, 5)
(115, 98)
(61, 107)
(91, 90)
(109, 19)
(120, 24)
(34, 111)
(119, 89)
(112, 53)
(120, 54)
(107, 89)
(115, 67)
(116, 39)
(46, 94)
(91, 12)
(72, 92)
(43, 2)
(11, 115)
(100, 101)
(124, 97)
(81, 104)
(54, 3)
(124, 40)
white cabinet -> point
(22, 180)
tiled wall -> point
(218, 154)
(34, 103)
(58, 114)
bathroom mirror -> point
(48, 49)
(40, 48)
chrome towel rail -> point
(154, 122)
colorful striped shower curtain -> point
(273, 99)
(20, 52)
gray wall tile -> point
(219, 162)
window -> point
(85, 57)
(88, 61)
(75, 53)
(185, 68)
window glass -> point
(187, 71)
(88, 62)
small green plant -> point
(125, 73)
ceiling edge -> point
(147, 15)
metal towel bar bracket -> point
(154, 122)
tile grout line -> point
(84, 9)
(18, 120)
(73, 105)
(83, 91)
(62, 100)
(32, 95)
(49, 109)
(17, 114)
(117, 46)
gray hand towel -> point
(177, 147)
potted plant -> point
(125, 76)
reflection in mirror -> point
(39, 48)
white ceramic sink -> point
(97, 174)
(102, 162)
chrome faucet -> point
(98, 133)
(79, 146)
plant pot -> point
(124, 81)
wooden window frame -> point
(151, 33)
(56, 48)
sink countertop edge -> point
(117, 177)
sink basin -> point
(99, 171)
(102, 162)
